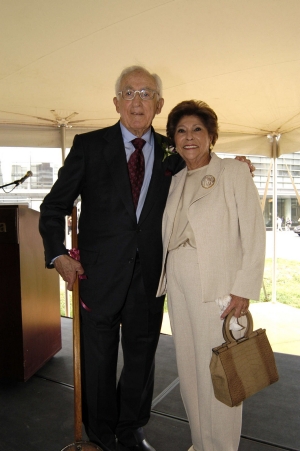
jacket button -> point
(130, 260)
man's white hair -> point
(129, 70)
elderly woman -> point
(214, 246)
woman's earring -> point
(211, 147)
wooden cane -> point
(79, 445)
(76, 341)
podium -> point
(30, 325)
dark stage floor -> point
(38, 415)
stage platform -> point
(38, 415)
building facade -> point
(44, 174)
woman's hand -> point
(241, 306)
(243, 159)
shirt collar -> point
(128, 136)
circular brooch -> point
(208, 181)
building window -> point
(15, 162)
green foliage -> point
(166, 305)
(63, 300)
(288, 285)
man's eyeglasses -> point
(145, 94)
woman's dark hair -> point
(193, 108)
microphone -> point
(26, 176)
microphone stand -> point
(16, 183)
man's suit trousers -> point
(111, 408)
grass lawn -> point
(63, 299)
(288, 282)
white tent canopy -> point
(242, 57)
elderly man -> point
(122, 174)
(121, 251)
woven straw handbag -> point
(241, 367)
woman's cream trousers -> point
(197, 328)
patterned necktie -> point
(136, 169)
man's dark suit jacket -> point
(109, 235)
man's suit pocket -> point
(88, 257)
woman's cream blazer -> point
(229, 230)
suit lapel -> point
(115, 156)
(175, 192)
(213, 172)
(214, 169)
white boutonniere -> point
(168, 151)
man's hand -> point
(245, 160)
(241, 306)
(68, 268)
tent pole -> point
(63, 142)
(274, 266)
(63, 156)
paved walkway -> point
(281, 322)
(288, 245)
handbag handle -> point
(227, 333)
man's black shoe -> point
(141, 443)
(102, 446)
(105, 447)
(142, 446)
